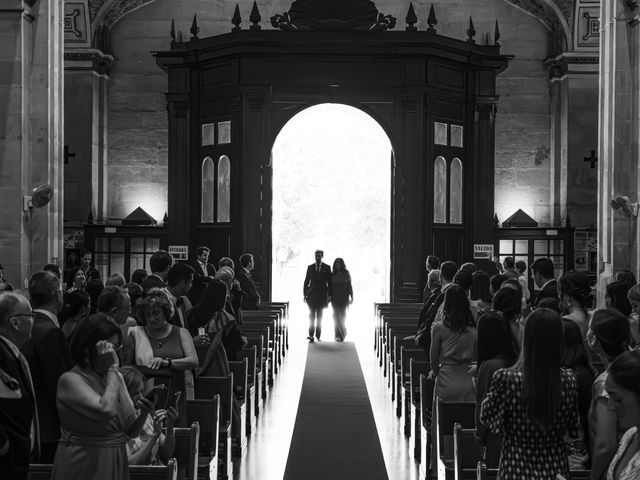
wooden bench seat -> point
(416, 368)
(402, 376)
(240, 389)
(206, 413)
(250, 354)
(187, 444)
(262, 366)
(427, 386)
(467, 452)
(446, 415)
(42, 471)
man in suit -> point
(317, 293)
(159, 263)
(543, 276)
(179, 281)
(48, 355)
(18, 415)
(252, 298)
(203, 274)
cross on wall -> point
(68, 155)
(593, 159)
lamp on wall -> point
(622, 203)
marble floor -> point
(268, 447)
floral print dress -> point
(529, 452)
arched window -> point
(455, 192)
(440, 190)
(224, 189)
(208, 191)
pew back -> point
(186, 450)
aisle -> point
(335, 434)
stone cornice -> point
(90, 59)
(572, 63)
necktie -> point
(317, 268)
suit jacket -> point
(550, 290)
(152, 281)
(200, 281)
(16, 414)
(317, 285)
(48, 355)
(252, 298)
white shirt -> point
(49, 315)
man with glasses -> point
(47, 352)
(18, 414)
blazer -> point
(317, 285)
(550, 290)
(200, 281)
(48, 355)
(16, 414)
(252, 298)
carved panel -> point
(76, 24)
(587, 25)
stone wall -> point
(137, 172)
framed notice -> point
(482, 251)
(179, 252)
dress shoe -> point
(310, 338)
(318, 338)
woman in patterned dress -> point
(533, 404)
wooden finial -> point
(236, 20)
(411, 19)
(432, 21)
(471, 32)
(496, 34)
(194, 28)
(173, 31)
(255, 17)
(180, 40)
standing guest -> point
(158, 344)
(634, 319)
(135, 292)
(495, 283)
(53, 268)
(480, 291)
(575, 357)
(609, 336)
(469, 266)
(453, 348)
(432, 263)
(115, 303)
(203, 274)
(507, 301)
(139, 276)
(623, 386)
(534, 404)
(544, 278)
(625, 275)
(75, 308)
(495, 351)
(429, 310)
(179, 281)
(94, 289)
(616, 297)
(97, 414)
(448, 271)
(510, 268)
(464, 278)
(210, 312)
(85, 261)
(521, 268)
(342, 297)
(115, 280)
(252, 298)
(235, 295)
(317, 291)
(574, 292)
(48, 355)
(76, 280)
(18, 414)
(159, 263)
(226, 262)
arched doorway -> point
(331, 167)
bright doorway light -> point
(332, 191)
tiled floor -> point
(268, 448)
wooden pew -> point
(262, 365)
(284, 308)
(402, 328)
(446, 415)
(206, 412)
(186, 450)
(250, 354)
(271, 320)
(467, 452)
(427, 386)
(416, 369)
(382, 310)
(403, 378)
(239, 371)
(207, 388)
(395, 335)
(42, 471)
(252, 331)
(484, 473)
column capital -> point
(88, 59)
(572, 63)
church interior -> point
(503, 130)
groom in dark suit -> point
(317, 293)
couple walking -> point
(321, 286)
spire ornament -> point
(432, 21)
(411, 19)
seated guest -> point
(609, 336)
(76, 280)
(634, 319)
(48, 355)
(158, 344)
(159, 263)
(152, 446)
(544, 278)
(495, 283)
(480, 291)
(625, 275)
(623, 386)
(508, 302)
(18, 435)
(432, 263)
(452, 349)
(429, 309)
(179, 281)
(575, 357)
(115, 280)
(495, 351)
(533, 404)
(97, 415)
(203, 274)
(470, 266)
(139, 276)
(252, 297)
(574, 291)
(234, 299)
(75, 308)
(616, 297)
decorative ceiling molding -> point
(108, 12)
(556, 15)
(94, 7)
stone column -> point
(31, 134)
(618, 139)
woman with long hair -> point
(76, 280)
(342, 297)
(534, 404)
(481, 291)
(75, 308)
(453, 345)
(508, 301)
(574, 292)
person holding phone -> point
(97, 415)
(156, 442)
